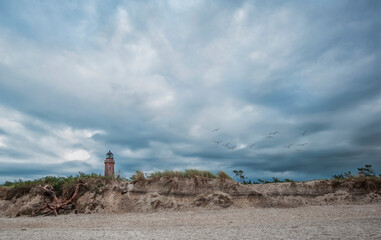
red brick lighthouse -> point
(109, 164)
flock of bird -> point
(271, 135)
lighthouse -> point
(109, 164)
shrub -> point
(240, 175)
(7, 184)
(348, 175)
(276, 180)
(367, 171)
(338, 176)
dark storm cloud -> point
(316, 164)
(369, 135)
(151, 80)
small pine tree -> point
(276, 180)
(338, 176)
(240, 176)
(367, 171)
(348, 174)
(261, 181)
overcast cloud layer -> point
(151, 80)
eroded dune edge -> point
(172, 194)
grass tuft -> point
(223, 175)
(188, 173)
(138, 177)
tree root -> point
(57, 205)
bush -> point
(338, 176)
(240, 175)
(367, 171)
(276, 180)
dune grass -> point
(59, 184)
(223, 175)
(138, 176)
(188, 173)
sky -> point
(152, 81)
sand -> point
(310, 222)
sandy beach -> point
(310, 222)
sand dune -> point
(116, 196)
(201, 208)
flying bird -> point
(218, 142)
(288, 146)
(273, 133)
(304, 133)
(226, 145)
(269, 137)
(252, 145)
(215, 130)
(302, 144)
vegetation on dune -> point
(193, 172)
(188, 173)
(138, 176)
(223, 175)
(240, 176)
(343, 175)
(60, 185)
(63, 192)
(366, 179)
(363, 172)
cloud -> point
(150, 80)
(28, 144)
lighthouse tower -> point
(109, 164)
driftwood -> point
(56, 205)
